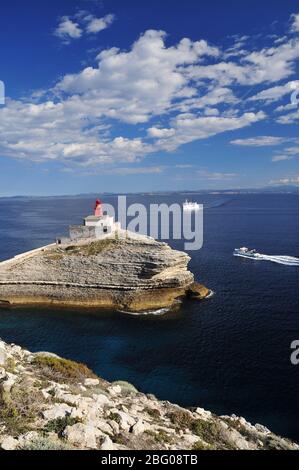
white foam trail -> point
(159, 311)
(286, 260)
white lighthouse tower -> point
(103, 224)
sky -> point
(130, 96)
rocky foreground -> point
(49, 403)
(129, 273)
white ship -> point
(190, 206)
(247, 253)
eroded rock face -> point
(53, 410)
(137, 273)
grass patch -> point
(152, 412)
(160, 436)
(93, 248)
(181, 419)
(10, 365)
(19, 408)
(43, 443)
(62, 369)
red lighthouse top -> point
(98, 211)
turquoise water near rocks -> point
(229, 353)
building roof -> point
(94, 218)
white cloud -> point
(123, 171)
(260, 141)
(292, 150)
(280, 158)
(68, 29)
(183, 92)
(277, 92)
(82, 23)
(218, 176)
(95, 25)
(189, 127)
(294, 180)
(289, 118)
(267, 65)
(160, 133)
(133, 86)
(295, 23)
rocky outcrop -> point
(48, 403)
(130, 273)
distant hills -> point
(267, 189)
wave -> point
(211, 294)
(286, 260)
(159, 311)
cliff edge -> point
(132, 273)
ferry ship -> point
(190, 206)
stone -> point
(57, 411)
(82, 435)
(102, 400)
(2, 373)
(9, 382)
(46, 395)
(91, 382)
(203, 413)
(114, 390)
(9, 443)
(114, 425)
(107, 444)
(126, 421)
(104, 426)
(262, 429)
(138, 428)
(3, 356)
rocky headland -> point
(129, 272)
(50, 403)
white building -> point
(95, 227)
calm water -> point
(229, 354)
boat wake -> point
(286, 260)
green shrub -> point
(115, 417)
(63, 369)
(126, 386)
(58, 425)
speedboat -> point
(252, 254)
(246, 252)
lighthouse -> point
(98, 210)
(95, 227)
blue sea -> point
(229, 353)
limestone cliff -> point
(132, 272)
(49, 403)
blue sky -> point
(142, 96)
